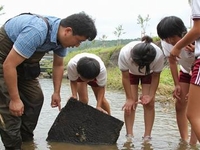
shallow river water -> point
(165, 135)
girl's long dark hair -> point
(143, 54)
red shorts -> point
(135, 79)
(184, 77)
(195, 79)
(91, 83)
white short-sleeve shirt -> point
(125, 62)
(101, 79)
(195, 5)
(186, 58)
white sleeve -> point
(195, 5)
(160, 64)
(122, 63)
(166, 48)
(72, 71)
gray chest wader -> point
(14, 130)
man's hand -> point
(16, 107)
(55, 101)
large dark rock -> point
(83, 124)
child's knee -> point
(85, 101)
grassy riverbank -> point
(110, 56)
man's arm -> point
(58, 69)
(10, 75)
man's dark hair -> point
(88, 68)
(143, 54)
(170, 26)
(81, 24)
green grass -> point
(166, 83)
(166, 77)
(114, 81)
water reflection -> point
(165, 135)
(62, 146)
(147, 146)
(128, 146)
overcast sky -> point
(108, 14)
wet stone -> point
(82, 124)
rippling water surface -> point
(165, 135)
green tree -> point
(143, 22)
(118, 33)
